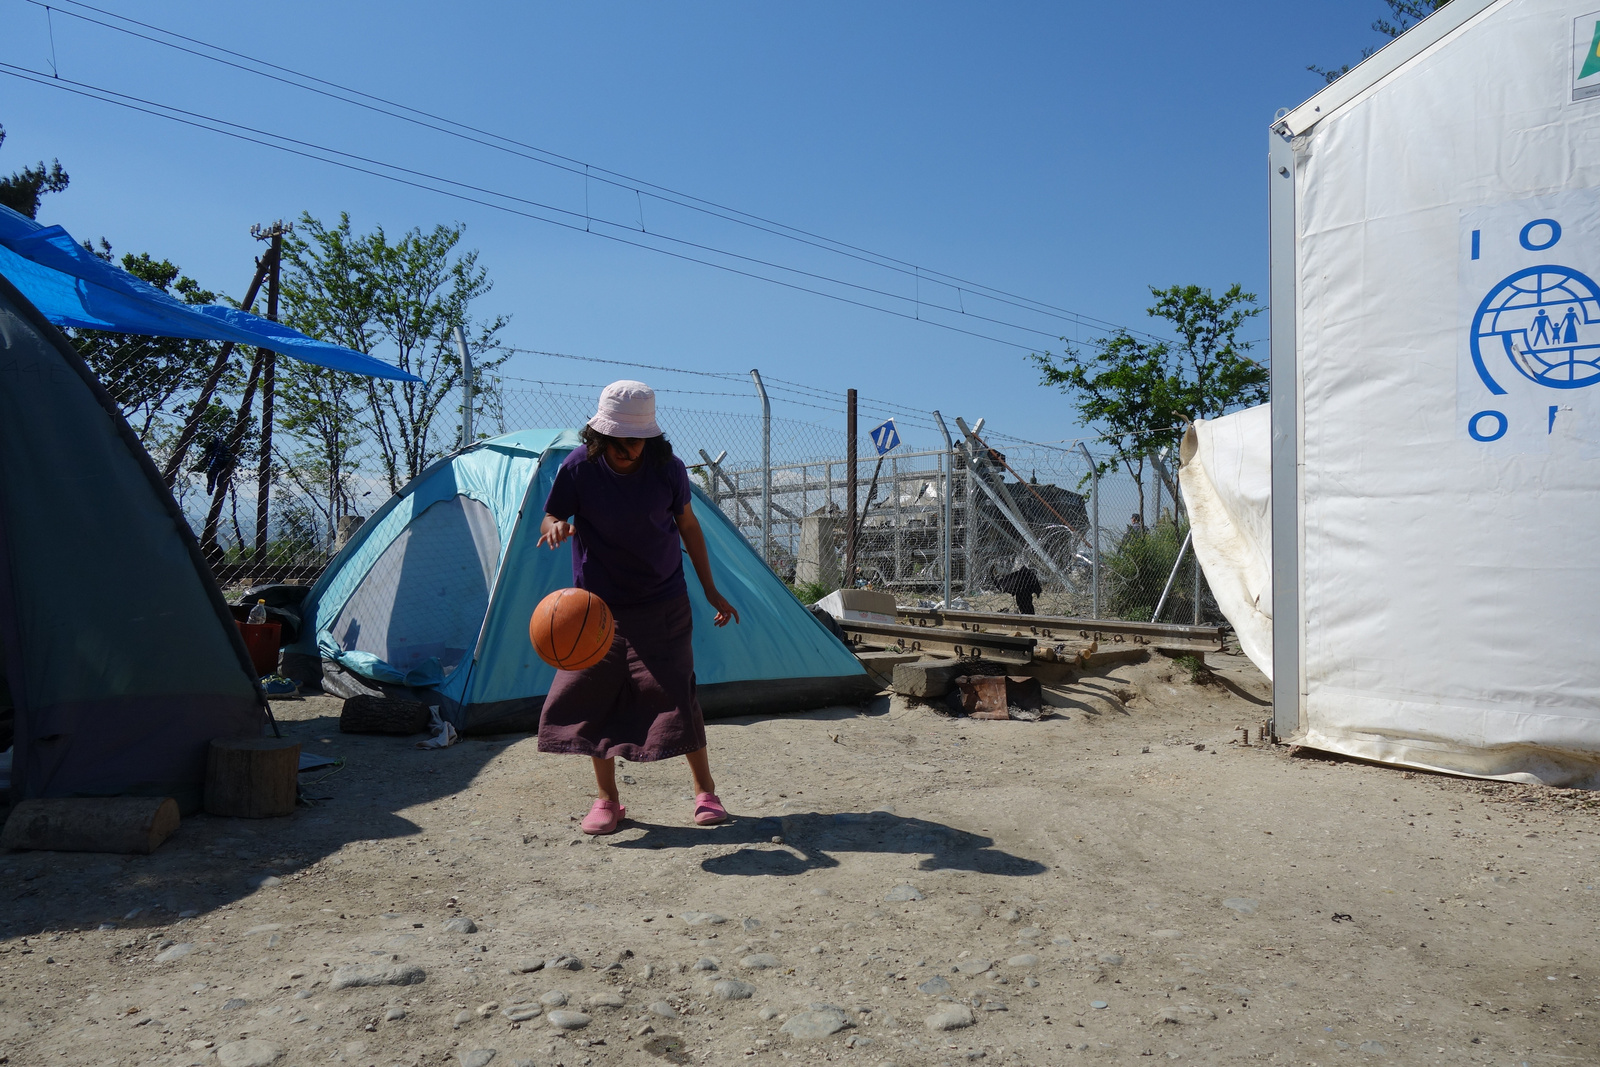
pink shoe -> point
(604, 817)
(708, 810)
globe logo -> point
(1544, 321)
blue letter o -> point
(1555, 234)
(1500, 431)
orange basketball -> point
(571, 629)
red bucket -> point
(262, 641)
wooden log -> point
(92, 824)
(252, 777)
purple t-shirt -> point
(627, 550)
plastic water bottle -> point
(258, 614)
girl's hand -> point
(725, 610)
(553, 531)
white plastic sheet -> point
(1450, 562)
(1226, 480)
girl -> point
(624, 500)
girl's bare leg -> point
(605, 778)
(700, 768)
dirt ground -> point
(1095, 887)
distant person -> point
(1135, 531)
(624, 500)
(1022, 584)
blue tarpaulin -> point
(72, 286)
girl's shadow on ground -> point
(806, 839)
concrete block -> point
(1047, 672)
(881, 665)
(927, 679)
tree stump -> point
(92, 824)
(252, 777)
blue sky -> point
(1065, 152)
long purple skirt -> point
(639, 702)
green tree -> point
(328, 292)
(22, 191)
(1139, 394)
(400, 300)
(146, 376)
(1406, 14)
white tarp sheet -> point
(1448, 239)
(1226, 479)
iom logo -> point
(1545, 323)
(1529, 335)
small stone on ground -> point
(251, 1052)
(356, 975)
(950, 1017)
(815, 1025)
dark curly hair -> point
(657, 450)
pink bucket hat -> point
(627, 409)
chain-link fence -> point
(987, 518)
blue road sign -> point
(886, 437)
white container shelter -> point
(1435, 302)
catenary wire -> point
(588, 171)
(919, 304)
(199, 121)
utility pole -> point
(850, 488)
(273, 233)
(197, 410)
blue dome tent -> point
(434, 593)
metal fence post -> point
(1094, 520)
(766, 469)
(1196, 577)
(1195, 557)
(466, 386)
(970, 537)
(949, 509)
(851, 476)
(899, 523)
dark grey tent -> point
(118, 656)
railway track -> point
(1058, 631)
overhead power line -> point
(418, 180)
(589, 172)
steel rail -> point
(1058, 628)
(1003, 648)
